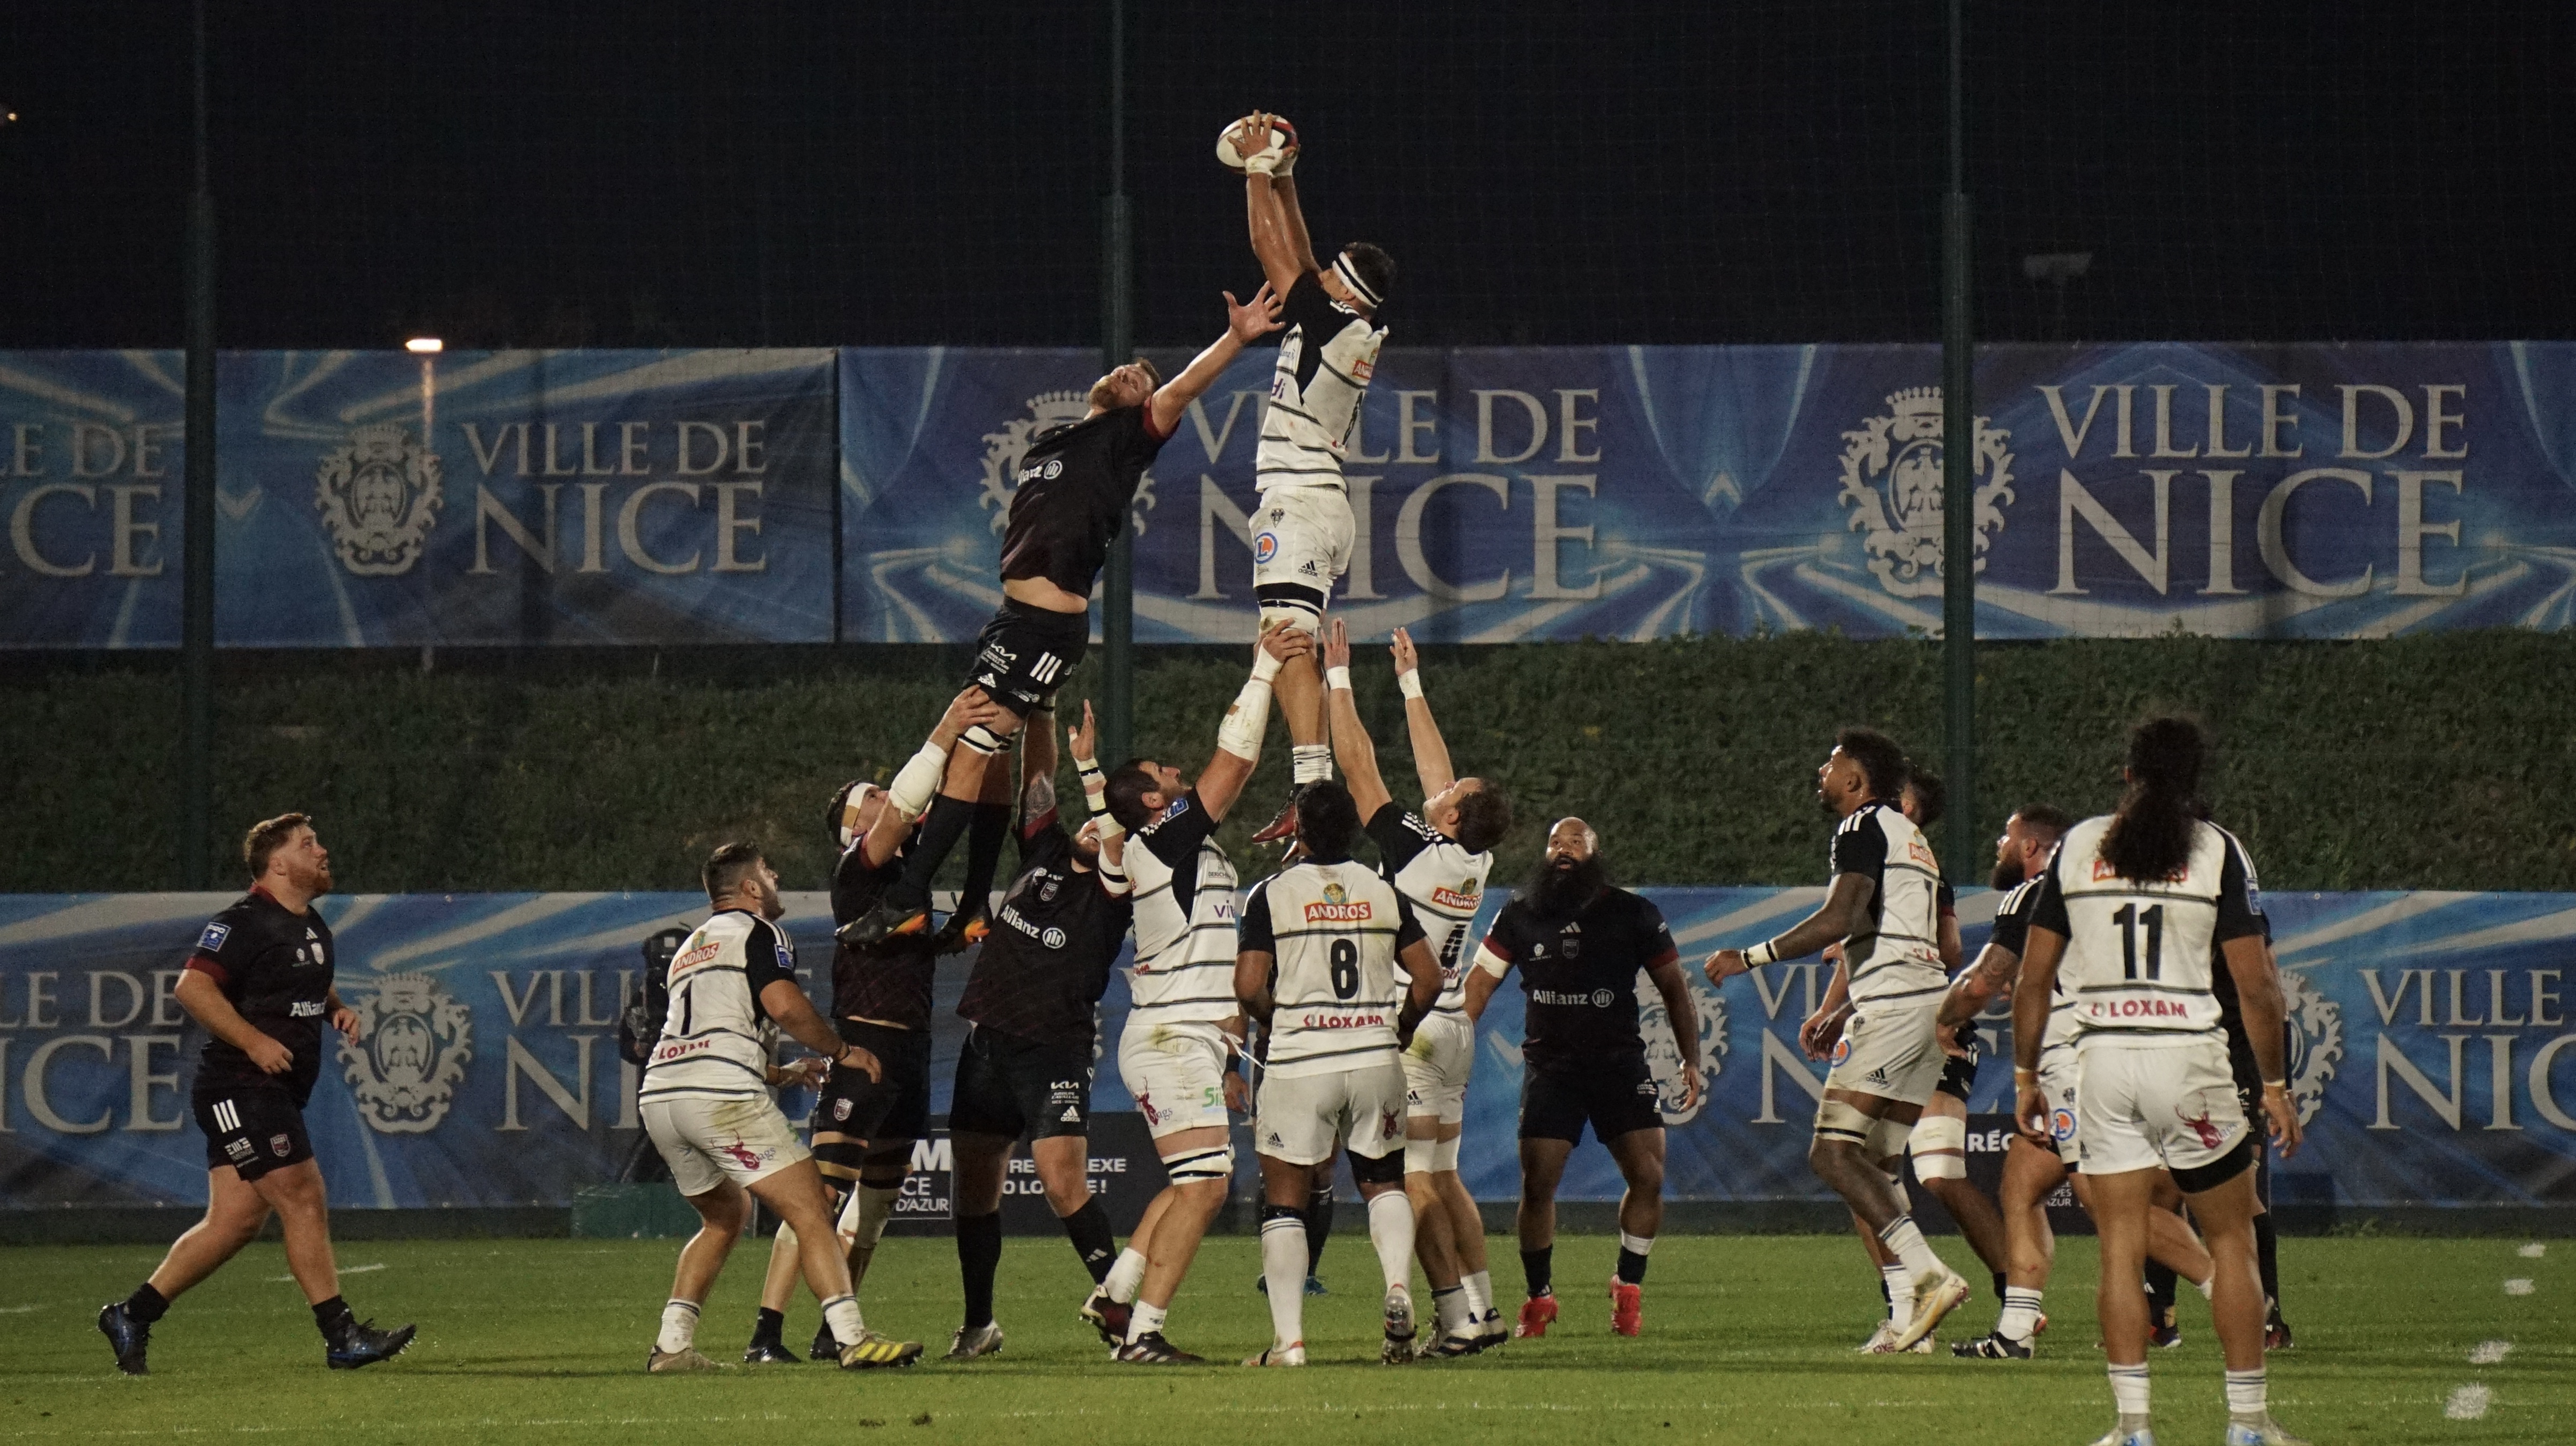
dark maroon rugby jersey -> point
(1042, 970)
(1580, 973)
(888, 981)
(274, 966)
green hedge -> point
(2432, 762)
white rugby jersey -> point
(1185, 928)
(1334, 931)
(1896, 953)
(1443, 884)
(1327, 354)
(2140, 953)
(2012, 932)
(714, 1041)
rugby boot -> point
(875, 1349)
(1936, 1294)
(2259, 1431)
(767, 1351)
(1106, 1316)
(2128, 1434)
(962, 932)
(664, 1363)
(1492, 1331)
(129, 1336)
(361, 1344)
(825, 1348)
(2276, 1331)
(1537, 1314)
(1452, 1346)
(1627, 1308)
(2164, 1329)
(887, 920)
(1150, 1349)
(1398, 1349)
(1285, 825)
(973, 1341)
(1993, 1346)
(1288, 1355)
(1882, 1342)
(1314, 1285)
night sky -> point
(653, 172)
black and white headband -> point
(1351, 278)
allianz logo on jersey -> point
(1597, 999)
(1052, 938)
(1336, 908)
(1007, 449)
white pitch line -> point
(344, 1270)
(2488, 1353)
(18, 1309)
(2468, 1403)
(2519, 1285)
(2533, 1251)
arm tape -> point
(1409, 682)
(1761, 954)
(918, 780)
(1249, 718)
(1491, 962)
(1338, 679)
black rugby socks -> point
(1319, 1226)
(931, 843)
(1088, 1229)
(332, 1318)
(146, 1304)
(1540, 1266)
(987, 830)
(979, 1255)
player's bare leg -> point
(2120, 1205)
(796, 1195)
(2236, 1304)
(1542, 1170)
(1467, 1238)
(1858, 1138)
(721, 1213)
(881, 1177)
(1201, 1164)
(960, 806)
(1108, 1308)
(235, 1211)
(1299, 689)
(1938, 1147)
(1640, 1157)
(1435, 1240)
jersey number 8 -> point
(1346, 969)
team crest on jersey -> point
(1006, 449)
(2316, 1041)
(840, 1110)
(379, 497)
(212, 941)
(415, 1041)
(1891, 474)
(1664, 1053)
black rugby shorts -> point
(1614, 1097)
(1021, 1088)
(1024, 655)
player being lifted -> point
(2034, 1164)
(1580, 944)
(1025, 1069)
(1885, 907)
(2136, 907)
(1073, 491)
(1323, 941)
(1184, 1030)
(1438, 859)
(1301, 539)
(864, 1123)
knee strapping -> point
(1444, 1155)
(983, 740)
(1842, 1124)
(1421, 1157)
(1939, 1145)
(865, 1213)
(1887, 1139)
(1304, 619)
(1200, 1165)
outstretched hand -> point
(1337, 645)
(1406, 660)
(1248, 321)
(1083, 740)
(1285, 643)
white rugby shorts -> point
(1890, 1049)
(707, 1142)
(2058, 1070)
(2173, 1106)
(1176, 1072)
(1301, 543)
(1436, 1066)
(1303, 1118)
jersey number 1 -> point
(2129, 918)
(1346, 969)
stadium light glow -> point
(425, 345)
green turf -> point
(1747, 1338)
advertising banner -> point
(1503, 495)
(2432, 1057)
(375, 498)
(90, 473)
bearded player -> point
(1301, 540)
(1438, 859)
(1073, 491)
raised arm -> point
(1085, 743)
(1245, 322)
(1277, 230)
(1238, 738)
(1351, 745)
(1846, 906)
(918, 779)
(1430, 751)
(1283, 187)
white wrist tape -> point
(1245, 723)
(1409, 682)
(1265, 665)
(918, 780)
(1761, 954)
(1338, 679)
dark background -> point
(687, 172)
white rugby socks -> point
(1126, 1277)
(2021, 1314)
(1900, 1292)
(1310, 762)
(2129, 1392)
(2246, 1395)
(1283, 1268)
(1902, 1237)
(841, 1313)
(679, 1327)
(1145, 1320)
(1450, 1308)
(1479, 1285)
(1390, 1216)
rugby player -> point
(1025, 1069)
(864, 1123)
(259, 982)
(1438, 859)
(1184, 1030)
(705, 1101)
(2249, 1089)
(1301, 539)
(2034, 1165)
(1322, 941)
(1884, 904)
(1580, 944)
(1073, 491)
(2136, 907)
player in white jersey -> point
(2034, 1165)
(1885, 907)
(2132, 911)
(705, 1101)
(1438, 859)
(1301, 538)
(1334, 965)
(1184, 1030)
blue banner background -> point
(91, 464)
(2436, 1061)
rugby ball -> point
(1283, 138)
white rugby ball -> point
(1282, 135)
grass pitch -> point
(1747, 1339)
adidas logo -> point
(1071, 1115)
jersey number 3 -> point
(2129, 918)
